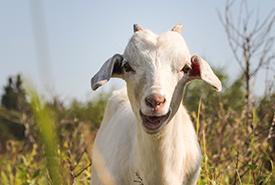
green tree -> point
(14, 95)
(9, 97)
(13, 106)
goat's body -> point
(170, 157)
(146, 136)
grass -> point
(244, 165)
(58, 145)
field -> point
(45, 142)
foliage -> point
(13, 102)
(57, 140)
(230, 154)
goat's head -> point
(156, 69)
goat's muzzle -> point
(154, 124)
(155, 101)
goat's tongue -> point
(153, 119)
(153, 124)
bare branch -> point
(244, 42)
(264, 58)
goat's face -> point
(156, 69)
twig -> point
(271, 127)
(71, 168)
(237, 163)
(79, 173)
(253, 174)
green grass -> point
(58, 144)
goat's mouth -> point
(154, 124)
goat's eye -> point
(186, 68)
(127, 67)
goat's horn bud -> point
(178, 28)
(137, 28)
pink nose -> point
(155, 100)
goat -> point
(146, 136)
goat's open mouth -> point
(153, 124)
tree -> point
(13, 105)
(14, 94)
(9, 97)
(251, 43)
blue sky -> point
(78, 36)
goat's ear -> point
(202, 70)
(111, 68)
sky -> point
(60, 45)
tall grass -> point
(57, 147)
(244, 159)
(58, 144)
(45, 121)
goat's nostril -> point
(155, 100)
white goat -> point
(146, 136)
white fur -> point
(129, 154)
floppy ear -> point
(202, 70)
(111, 68)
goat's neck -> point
(158, 159)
